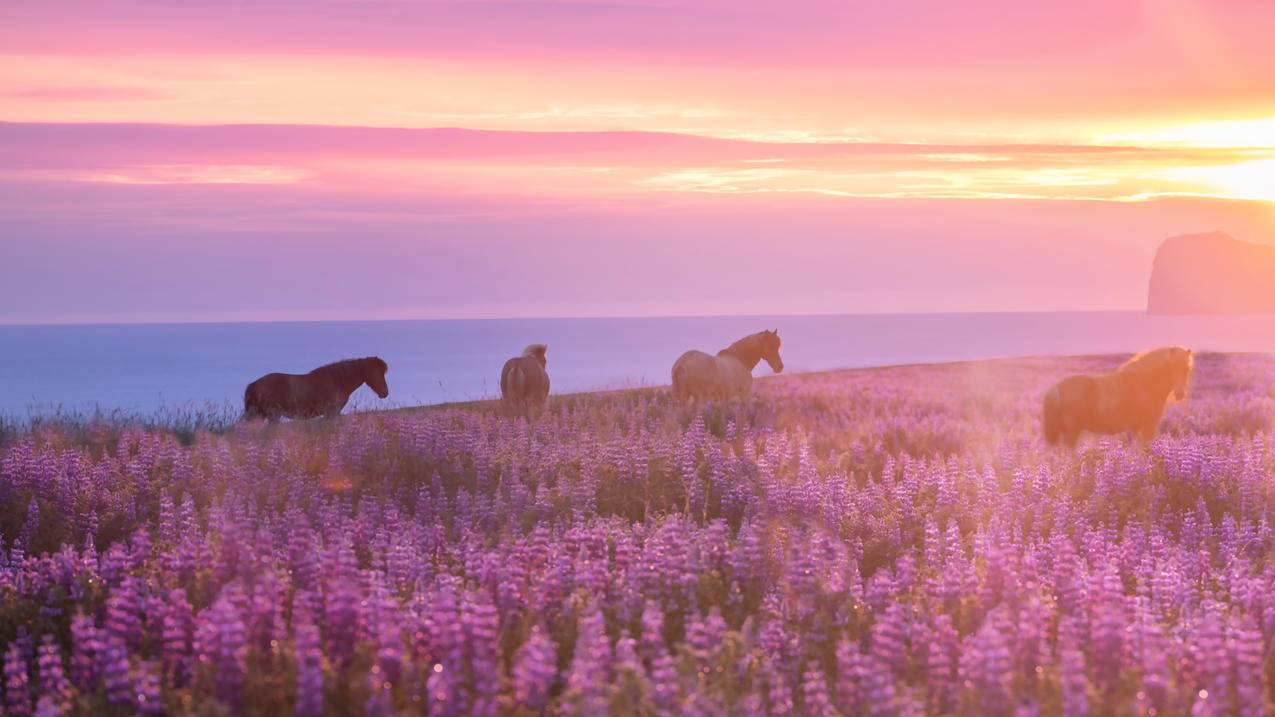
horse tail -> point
(1052, 416)
(679, 379)
(251, 403)
(517, 383)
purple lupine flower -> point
(588, 679)
(87, 643)
(1074, 685)
(47, 707)
(265, 617)
(1210, 657)
(221, 642)
(779, 693)
(535, 669)
(887, 643)
(17, 682)
(139, 548)
(704, 635)
(117, 672)
(941, 662)
(341, 606)
(309, 661)
(850, 674)
(146, 692)
(814, 692)
(30, 527)
(666, 689)
(389, 649)
(54, 685)
(177, 627)
(1248, 657)
(1107, 642)
(481, 625)
(123, 613)
(651, 641)
(167, 519)
(877, 688)
(985, 663)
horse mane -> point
(349, 369)
(741, 347)
(1156, 359)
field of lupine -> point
(892, 541)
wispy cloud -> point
(196, 174)
(592, 164)
(90, 93)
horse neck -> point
(1158, 382)
(350, 381)
(744, 351)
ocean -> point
(142, 368)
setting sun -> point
(1243, 180)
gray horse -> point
(524, 382)
(729, 373)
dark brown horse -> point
(322, 392)
(524, 381)
(729, 373)
(1130, 399)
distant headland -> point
(1212, 273)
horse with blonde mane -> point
(524, 381)
(729, 373)
(1130, 399)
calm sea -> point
(142, 368)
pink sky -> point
(222, 160)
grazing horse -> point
(729, 373)
(322, 392)
(524, 382)
(1132, 398)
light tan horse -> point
(524, 381)
(729, 373)
(1130, 399)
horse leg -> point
(1071, 438)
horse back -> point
(693, 361)
(1079, 394)
(523, 378)
(1102, 404)
(292, 395)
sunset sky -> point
(311, 159)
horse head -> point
(770, 350)
(537, 352)
(375, 377)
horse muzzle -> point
(776, 366)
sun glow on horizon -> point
(1250, 133)
(1253, 180)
